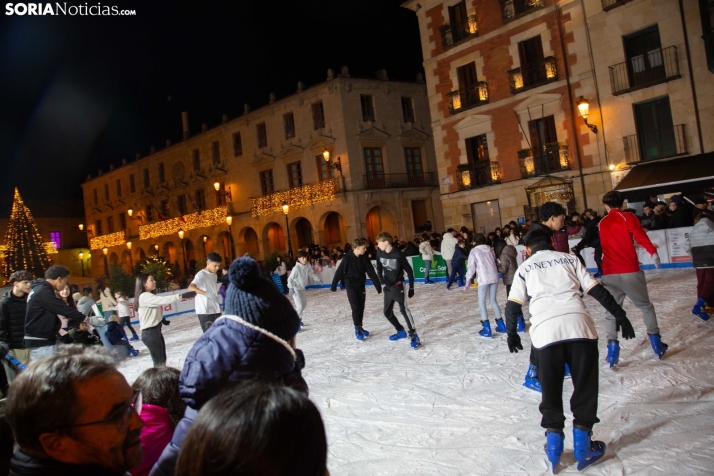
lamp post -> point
(131, 259)
(183, 250)
(205, 239)
(105, 250)
(336, 165)
(584, 110)
(286, 209)
(156, 250)
(81, 227)
(81, 260)
(229, 220)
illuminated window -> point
(56, 239)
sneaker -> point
(399, 335)
(134, 339)
(416, 343)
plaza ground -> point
(457, 406)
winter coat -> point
(107, 300)
(24, 465)
(617, 230)
(507, 264)
(560, 241)
(411, 249)
(41, 321)
(482, 262)
(115, 333)
(512, 240)
(12, 320)
(84, 337)
(459, 258)
(155, 435)
(231, 350)
(677, 220)
(448, 245)
(591, 237)
(647, 221)
(351, 272)
(427, 252)
(281, 269)
(85, 304)
(700, 244)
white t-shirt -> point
(554, 283)
(206, 281)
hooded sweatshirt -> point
(42, 322)
(12, 320)
(482, 262)
(300, 276)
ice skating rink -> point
(457, 406)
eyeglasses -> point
(121, 419)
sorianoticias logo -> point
(63, 9)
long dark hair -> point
(160, 386)
(498, 246)
(140, 283)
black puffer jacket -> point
(41, 321)
(12, 320)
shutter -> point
(536, 146)
(469, 151)
(550, 133)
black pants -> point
(154, 341)
(206, 320)
(582, 357)
(356, 296)
(126, 321)
(454, 271)
(397, 293)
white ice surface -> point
(457, 405)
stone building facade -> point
(376, 130)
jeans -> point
(154, 341)
(126, 321)
(488, 291)
(427, 267)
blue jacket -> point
(231, 350)
(460, 256)
(115, 333)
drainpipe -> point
(691, 77)
(572, 102)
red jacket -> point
(617, 230)
(560, 241)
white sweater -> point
(300, 277)
(151, 311)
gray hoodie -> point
(85, 304)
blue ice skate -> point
(486, 331)
(554, 447)
(360, 333)
(613, 352)
(699, 310)
(416, 342)
(135, 338)
(532, 379)
(399, 335)
(586, 451)
(521, 323)
(500, 326)
(133, 352)
(658, 346)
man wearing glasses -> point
(74, 413)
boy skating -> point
(391, 265)
(298, 280)
(205, 285)
(562, 332)
(351, 274)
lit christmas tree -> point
(24, 248)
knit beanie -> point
(257, 300)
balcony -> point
(378, 181)
(608, 5)
(452, 34)
(480, 174)
(467, 98)
(296, 198)
(552, 159)
(660, 66)
(533, 75)
(512, 9)
(653, 145)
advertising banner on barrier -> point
(437, 270)
(676, 239)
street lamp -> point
(81, 227)
(106, 264)
(229, 220)
(584, 109)
(131, 259)
(183, 250)
(336, 165)
(81, 260)
(226, 193)
(286, 209)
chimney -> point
(344, 72)
(184, 120)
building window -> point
(216, 152)
(657, 136)
(181, 199)
(289, 124)
(367, 102)
(237, 145)
(220, 194)
(415, 168)
(295, 174)
(132, 184)
(196, 160)
(122, 221)
(96, 197)
(98, 227)
(373, 162)
(149, 212)
(162, 173)
(323, 170)
(262, 135)
(106, 191)
(200, 200)
(110, 224)
(512, 9)
(56, 239)
(477, 149)
(407, 110)
(318, 116)
(530, 53)
(164, 210)
(644, 57)
(542, 133)
(118, 187)
(266, 182)
(707, 15)
(147, 182)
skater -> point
(448, 246)
(391, 265)
(351, 274)
(13, 308)
(700, 245)
(125, 314)
(117, 336)
(591, 237)
(457, 264)
(205, 285)
(427, 255)
(106, 300)
(282, 271)
(621, 274)
(562, 333)
(482, 262)
(298, 280)
(507, 263)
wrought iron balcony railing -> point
(642, 71)
(452, 34)
(471, 96)
(377, 181)
(610, 4)
(533, 75)
(549, 160)
(480, 174)
(512, 9)
(653, 145)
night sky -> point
(79, 93)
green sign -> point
(438, 267)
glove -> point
(514, 343)
(411, 292)
(627, 331)
(655, 258)
(333, 289)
